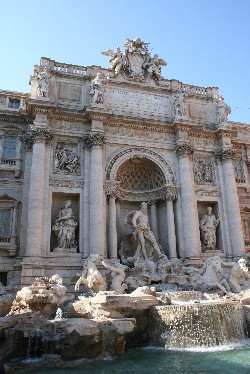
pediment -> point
(6, 197)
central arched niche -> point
(141, 179)
(140, 174)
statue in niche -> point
(96, 90)
(118, 277)
(66, 159)
(208, 226)
(141, 253)
(238, 271)
(142, 232)
(203, 172)
(91, 276)
(223, 111)
(180, 105)
(116, 60)
(64, 228)
(42, 83)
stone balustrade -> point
(70, 69)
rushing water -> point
(230, 360)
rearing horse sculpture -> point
(212, 276)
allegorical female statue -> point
(64, 228)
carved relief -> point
(204, 172)
(141, 133)
(135, 62)
(67, 158)
(67, 183)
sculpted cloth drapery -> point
(64, 227)
(208, 226)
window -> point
(3, 278)
(5, 222)
(9, 147)
(14, 104)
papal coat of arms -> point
(135, 62)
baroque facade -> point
(88, 145)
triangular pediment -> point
(6, 197)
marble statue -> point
(91, 276)
(208, 226)
(116, 60)
(42, 83)
(212, 277)
(141, 231)
(223, 111)
(180, 105)
(66, 159)
(238, 271)
(96, 90)
(118, 277)
(64, 227)
(135, 62)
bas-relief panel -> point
(203, 142)
(138, 103)
(140, 134)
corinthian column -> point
(171, 226)
(96, 218)
(38, 138)
(153, 215)
(232, 202)
(188, 202)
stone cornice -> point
(226, 132)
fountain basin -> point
(197, 325)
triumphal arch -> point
(88, 145)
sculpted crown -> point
(135, 62)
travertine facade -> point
(107, 140)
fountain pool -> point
(229, 360)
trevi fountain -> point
(124, 218)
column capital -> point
(184, 150)
(111, 188)
(94, 140)
(171, 196)
(37, 135)
(225, 154)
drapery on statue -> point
(118, 277)
(96, 90)
(141, 231)
(180, 105)
(208, 226)
(42, 83)
(91, 276)
(64, 227)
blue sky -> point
(205, 42)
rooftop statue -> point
(135, 62)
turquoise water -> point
(150, 360)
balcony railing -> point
(8, 161)
(4, 238)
